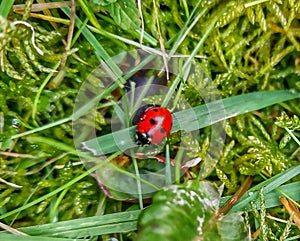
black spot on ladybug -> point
(152, 121)
(148, 131)
(163, 130)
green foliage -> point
(191, 207)
(81, 228)
(256, 152)
(124, 13)
(5, 7)
(21, 57)
(292, 123)
(270, 230)
(247, 50)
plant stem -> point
(236, 197)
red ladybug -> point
(154, 123)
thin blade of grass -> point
(99, 50)
(189, 24)
(44, 127)
(99, 230)
(91, 226)
(5, 7)
(271, 198)
(13, 237)
(269, 189)
(188, 63)
(203, 116)
(89, 13)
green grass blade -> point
(5, 7)
(89, 13)
(291, 190)
(269, 189)
(219, 110)
(44, 127)
(13, 237)
(37, 97)
(188, 63)
(99, 50)
(91, 226)
(202, 116)
(189, 24)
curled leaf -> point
(189, 212)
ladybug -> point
(154, 123)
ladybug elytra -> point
(154, 123)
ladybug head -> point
(142, 139)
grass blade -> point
(13, 237)
(89, 13)
(202, 116)
(99, 50)
(5, 7)
(91, 226)
(269, 188)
